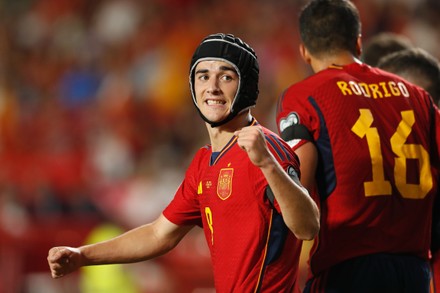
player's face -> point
(215, 86)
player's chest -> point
(230, 181)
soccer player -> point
(417, 66)
(421, 68)
(242, 189)
(383, 44)
(366, 140)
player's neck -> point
(325, 62)
(221, 135)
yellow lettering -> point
(355, 88)
(344, 88)
(403, 89)
(385, 90)
(394, 89)
(365, 89)
(375, 90)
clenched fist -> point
(251, 139)
(63, 260)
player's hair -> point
(330, 26)
(383, 44)
(416, 65)
(228, 48)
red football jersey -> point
(251, 247)
(378, 160)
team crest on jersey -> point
(290, 120)
(224, 185)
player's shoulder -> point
(316, 82)
(385, 75)
(279, 146)
(413, 89)
(406, 89)
(202, 155)
(203, 151)
(269, 133)
(305, 86)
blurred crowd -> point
(96, 119)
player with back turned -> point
(242, 189)
(417, 66)
(423, 69)
(368, 148)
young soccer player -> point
(242, 188)
(382, 44)
(417, 66)
(421, 68)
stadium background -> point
(97, 126)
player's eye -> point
(226, 77)
(203, 77)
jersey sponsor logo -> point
(380, 90)
(290, 120)
(224, 185)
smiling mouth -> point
(215, 102)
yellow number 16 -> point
(379, 185)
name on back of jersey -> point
(385, 89)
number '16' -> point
(379, 185)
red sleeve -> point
(296, 119)
(184, 209)
(285, 157)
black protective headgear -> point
(228, 48)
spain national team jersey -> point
(252, 250)
(377, 164)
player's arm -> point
(299, 211)
(301, 140)
(139, 244)
(308, 157)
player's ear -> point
(305, 53)
(359, 45)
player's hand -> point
(63, 260)
(251, 139)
